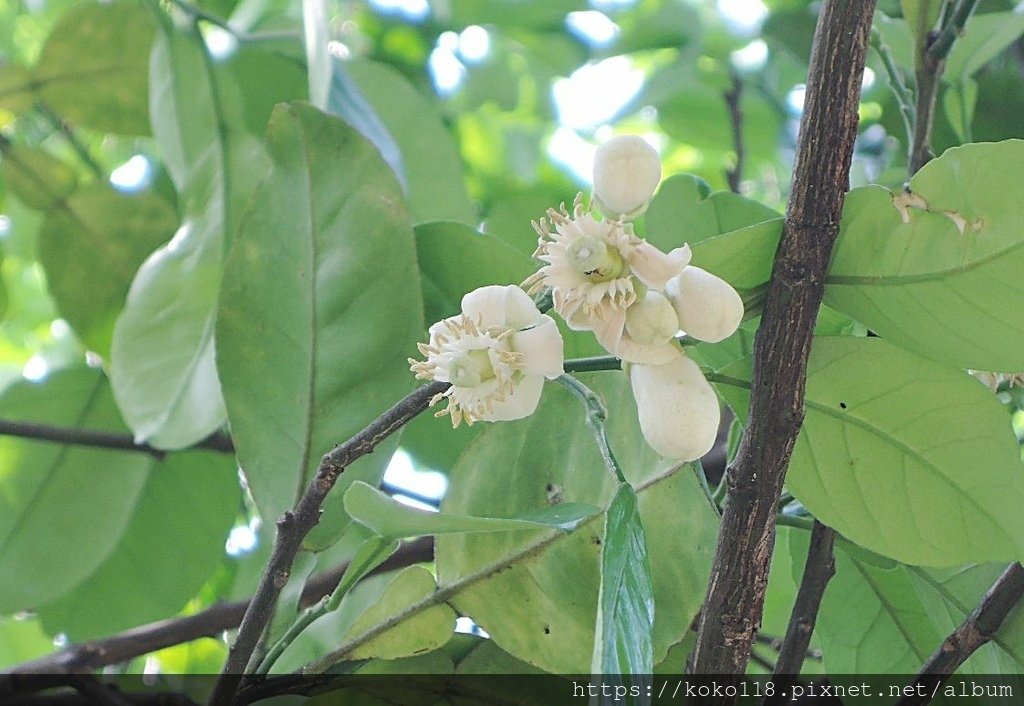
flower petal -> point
(678, 409)
(521, 403)
(505, 306)
(646, 353)
(541, 347)
(653, 267)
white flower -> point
(678, 409)
(596, 271)
(626, 173)
(495, 354)
(709, 308)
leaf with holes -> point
(908, 457)
(939, 272)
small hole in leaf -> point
(549, 487)
(547, 630)
(842, 405)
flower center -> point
(470, 368)
(593, 258)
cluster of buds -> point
(637, 299)
(603, 278)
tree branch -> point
(739, 574)
(732, 96)
(976, 630)
(930, 63)
(818, 571)
(295, 524)
(101, 439)
(89, 656)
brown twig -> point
(101, 439)
(976, 630)
(819, 569)
(739, 574)
(89, 656)
(295, 524)
(929, 66)
(732, 101)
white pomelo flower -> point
(595, 269)
(709, 308)
(678, 409)
(626, 173)
(495, 354)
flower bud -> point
(626, 173)
(651, 319)
(678, 409)
(709, 308)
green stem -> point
(951, 30)
(904, 97)
(596, 417)
(698, 469)
(72, 139)
(589, 365)
(804, 523)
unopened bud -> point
(626, 173)
(651, 319)
(678, 409)
(709, 308)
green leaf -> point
(959, 100)
(171, 546)
(985, 36)
(38, 178)
(907, 457)
(95, 243)
(162, 360)
(64, 508)
(319, 308)
(92, 68)
(890, 620)
(536, 593)
(431, 162)
(16, 89)
(390, 518)
(744, 257)
(684, 211)
(925, 285)
(22, 640)
(443, 250)
(365, 612)
(625, 613)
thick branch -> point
(101, 439)
(818, 571)
(295, 524)
(90, 656)
(735, 597)
(976, 630)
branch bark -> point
(975, 631)
(735, 596)
(101, 439)
(90, 656)
(819, 569)
(295, 524)
(734, 175)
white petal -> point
(653, 267)
(648, 354)
(609, 328)
(504, 306)
(626, 173)
(678, 409)
(541, 347)
(521, 403)
(709, 308)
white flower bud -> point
(678, 409)
(626, 173)
(651, 320)
(709, 308)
